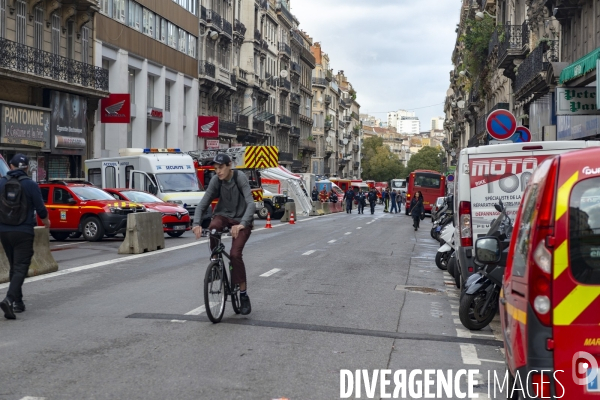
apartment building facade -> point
(51, 86)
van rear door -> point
(576, 275)
(110, 175)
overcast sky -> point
(396, 53)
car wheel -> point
(266, 210)
(175, 234)
(452, 266)
(60, 236)
(93, 231)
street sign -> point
(501, 124)
(212, 144)
(521, 135)
(450, 178)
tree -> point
(427, 158)
(378, 161)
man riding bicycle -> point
(234, 210)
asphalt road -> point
(328, 293)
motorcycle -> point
(447, 249)
(479, 299)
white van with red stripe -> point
(490, 173)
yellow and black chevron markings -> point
(261, 157)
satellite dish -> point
(328, 139)
(283, 74)
(461, 104)
(345, 141)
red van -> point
(550, 299)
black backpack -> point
(13, 202)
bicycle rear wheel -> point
(214, 292)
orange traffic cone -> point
(292, 222)
(268, 226)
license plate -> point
(592, 384)
(180, 227)
(259, 205)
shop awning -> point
(580, 67)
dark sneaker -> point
(18, 306)
(245, 304)
(7, 307)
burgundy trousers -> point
(219, 222)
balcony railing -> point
(296, 99)
(355, 148)
(346, 104)
(296, 68)
(285, 156)
(285, 120)
(257, 35)
(214, 18)
(286, 13)
(327, 99)
(239, 27)
(537, 61)
(233, 80)
(320, 82)
(264, 45)
(285, 84)
(243, 122)
(513, 45)
(285, 49)
(493, 41)
(242, 75)
(308, 144)
(295, 131)
(329, 75)
(355, 116)
(227, 127)
(203, 13)
(18, 57)
(308, 57)
(259, 126)
(206, 68)
(298, 38)
(227, 27)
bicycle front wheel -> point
(214, 292)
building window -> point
(106, 7)
(134, 19)
(38, 28)
(182, 41)
(163, 30)
(21, 28)
(148, 23)
(132, 85)
(168, 96)
(70, 40)
(2, 17)
(119, 10)
(172, 35)
(55, 34)
(192, 46)
(85, 44)
(150, 91)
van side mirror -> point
(487, 250)
(153, 189)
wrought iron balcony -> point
(329, 75)
(285, 156)
(348, 118)
(206, 68)
(257, 35)
(227, 28)
(346, 104)
(203, 13)
(355, 116)
(327, 98)
(243, 122)
(296, 68)
(298, 38)
(285, 49)
(29, 60)
(320, 82)
(536, 62)
(295, 131)
(233, 80)
(227, 127)
(214, 18)
(259, 126)
(308, 145)
(239, 27)
(264, 45)
(281, 8)
(285, 120)
(296, 99)
(308, 57)
(285, 84)
(513, 44)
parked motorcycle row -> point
(480, 293)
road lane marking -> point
(332, 241)
(63, 245)
(271, 272)
(358, 227)
(468, 353)
(491, 361)
(348, 233)
(308, 253)
(33, 398)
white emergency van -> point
(167, 173)
(487, 174)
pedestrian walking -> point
(372, 200)
(315, 194)
(349, 198)
(19, 198)
(400, 199)
(417, 209)
(393, 196)
(386, 199)
(362, 201)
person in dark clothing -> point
(333, 197)
(372, 199)
(385, 196)
(17, 240)
(315, 194)
(393, 196)
(349, 198)
(361, 199)
(416, 209)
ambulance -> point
(168, 174)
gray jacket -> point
(233, 203)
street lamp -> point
(214, 35)
(479, 16)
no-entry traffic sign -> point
(501, 124)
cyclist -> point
(234, 210)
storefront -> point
(578, 117)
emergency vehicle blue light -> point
(147, 151)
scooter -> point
(479, 300)
(447, 249)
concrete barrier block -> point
(289, 208)
(316, 207)
(42, 261)
(144, 233)
(327, 208)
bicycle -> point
(216, 282)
